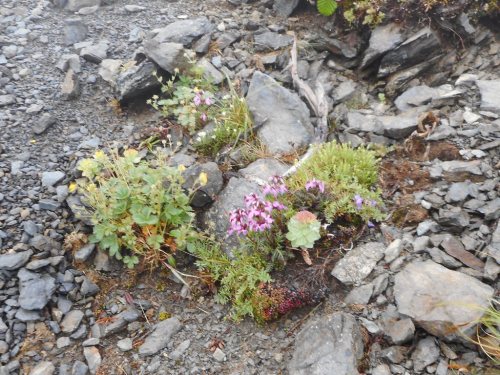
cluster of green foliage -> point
(368, 12)
(373, 12)
(346, 172)
(189, 100)
(180, 104)
(138, 207)
(239, 277)
(232, 124)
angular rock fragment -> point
(441, 301)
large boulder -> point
(282, 117)
(445, 303)
(184, 31)
(328, 345)
(169, 56)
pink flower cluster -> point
(315, 185)
(198, 100)
(257, 217)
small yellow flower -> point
(33, 141)
(181, 168)
(99, 155)
(203, 178)
(72, 187)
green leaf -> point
(326, 7)
(143, 215)
(130, 261)
(111, 243)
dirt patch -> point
(403, 176)
(418, 149)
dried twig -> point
(316, 98)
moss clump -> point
(349, 175)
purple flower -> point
(315, 184)
(275, 187)
(373, 203)
(238, 222)
(278, 205)
(358, 201)
(370, 224)
(208, 101)
(259, 221)
(197, 100)
(252, 200)
(204, 117)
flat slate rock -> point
(14, 261)
(358, 263)
(440, 300)
(282, 117)
(328, 345)
(160, 337)
(184, 31)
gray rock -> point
(454, 247)
(415, 96)
(3, 326)
(360, 295)
(401, 331)
(7, 100)
(169, 56)
(52, 178)
(344, 91)
(358, 263)
(455, 219)
(43, 123)
(70, 88)
(330, 345)
(364, 123)
(219, 355)
(282, 116)
(400, 126)
(457, 192)
(491, 210)
(439, 300)
(184, 31)
(63, 342)
(84, 253)
(425, 354)
(76, 5)
(93, 358)
(88, 288)
(95, 52)
(35, 291)
(210, 72)
(43, 368)
(264, 169)
(160, 337)
(130, 8)
(393, 250)
(203, 195)
(14, 261)
(490, 100)
(110, 69)
(74, 31)
(69, 61)
(79, 368)
(125, 344)
(270, 41)
(420, 244)
(458, 166)
(71, 321)
(419, 47)
(382, 369)
(493, 248)
(179, 350)
(285, 8)
(383, 39)
(441, 257)
(27, 315)
(48, 204)
(137, 81)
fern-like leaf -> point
(326, 7)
